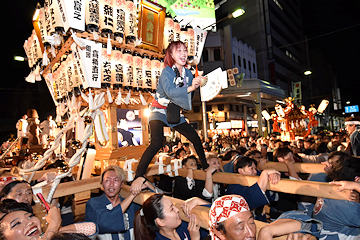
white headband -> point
(352, 122)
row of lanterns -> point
(120, 69)
(117, 19)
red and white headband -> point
(225, 207)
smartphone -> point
(42, 200)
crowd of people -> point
(233, 208)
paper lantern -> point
(191, 42)
(137, 71)
(184, 37)
(155, 72)
(92, 16)
(127, 60)
(117, 69)
(323, 105)
(146, 72)
(266, 115)
(176, 30)
(279, 110)
(168, 31)
(106, 17)
(42, 26)
(53, 17)
(76, 78)
(68, 65)
(55, 85)
(119, 20)
(62, 80)
(105, 67)
(130, 21)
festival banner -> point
(200, 37)
(88, 60)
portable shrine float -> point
(294, 122)
(101, 60)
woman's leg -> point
(157, 135)
(190, 133)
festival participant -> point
(33, 127)
(321, 156)
(255, 195)
(18, 222)
(18, 190)
(256, 155)
(159, 219)
(180, 153)
(188, 187)
(48, 126)
(175, 86)
(21, 127)
(113, 214)
(340, 218)
(285, 155)
(212, 190)
(230, 218)
(352, 126)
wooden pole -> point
(201, 212)
(299, 167)
(301, 187)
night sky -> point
(320, 17)
(334, 27)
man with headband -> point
(352, 126)
(230, 218)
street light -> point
(235, 14)
(19, 58)
(308, 72)
(238, 13)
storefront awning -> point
(269, 93)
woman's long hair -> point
(145, 226)
(168, 60)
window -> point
(244, 62)
(217, 56)
(254, 68)
(205, 55)
(239, 61)
(249, 63)
(208, 108)
(221, 107)
(234, 58)
(231, 107)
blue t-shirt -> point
(253, 195)
(111, 220)
(340, 218)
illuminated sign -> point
(237, 123)
(197, 13)
(352, 109)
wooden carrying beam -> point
(301, 187)
(299, 167)
(201, 212)
(68, 188)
